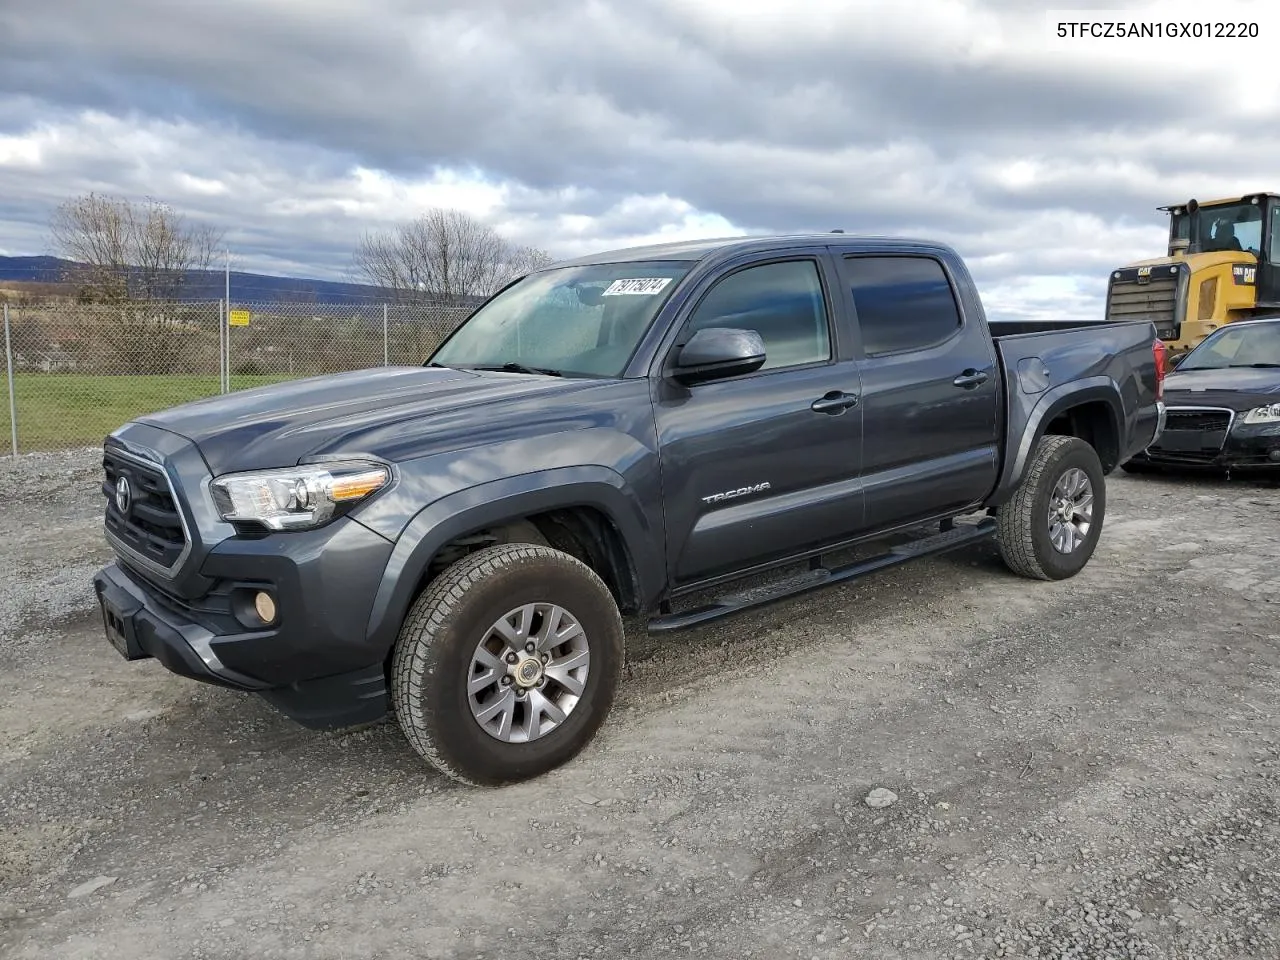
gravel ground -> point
(1086, 769)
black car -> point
(1223, 403)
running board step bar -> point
(959, 535)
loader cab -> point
(1245, 225)
(1218, 227)
(1222, 265)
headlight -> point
(1268, 414)
(299, 498)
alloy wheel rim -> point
(1070, 511)
(528, 672)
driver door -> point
(752, 470)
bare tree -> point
(134, 259)
(125, 251)
(445, 256)
(527, 259)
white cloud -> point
(578, 125)
(19, 152)
(249, 188)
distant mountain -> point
(211, 284)
(32, 269)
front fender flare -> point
(495, 502)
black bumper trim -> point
(345, 700)
(1218, 463)
(151, 632)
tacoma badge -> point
(740, 492)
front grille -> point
(1151, 302)
(150, 526)
(1204, 421)
(1193, 433)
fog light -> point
(265, 604)
(1274, 456)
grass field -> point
(61, 410)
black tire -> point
(1023, 529)
(445, 625)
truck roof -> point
(718, 247)
(1221, 200)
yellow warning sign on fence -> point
(238, 318)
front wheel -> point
(1050, 528)
(507, 664)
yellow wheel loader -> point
(1223, 265)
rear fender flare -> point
(1052, 403)
(499, 501)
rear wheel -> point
(1050, 528)
(507, 664)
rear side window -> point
(903, 303)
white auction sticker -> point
(641, 286)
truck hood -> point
(382, 411)
(1239, 388)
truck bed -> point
(1043, 361)
(1003, 329)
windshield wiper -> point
(1263, 365)
(512, 367)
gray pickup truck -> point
(455, 544)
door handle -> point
(970, 379)
(837, 401)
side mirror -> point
(717, 352)
(1176, 359)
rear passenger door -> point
(931, 394)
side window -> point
(1275, 232)
(903, 303)
(783, 302)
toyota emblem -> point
(124, 495)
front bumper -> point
(140, 628)
(315, 664)
(1244, 447)
(190, 604)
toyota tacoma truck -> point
(454, 544)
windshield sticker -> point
(641, 287)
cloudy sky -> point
(577, 125)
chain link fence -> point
(72, 373)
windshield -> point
(575, 321)
(1231, 226)
(1243, 345)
